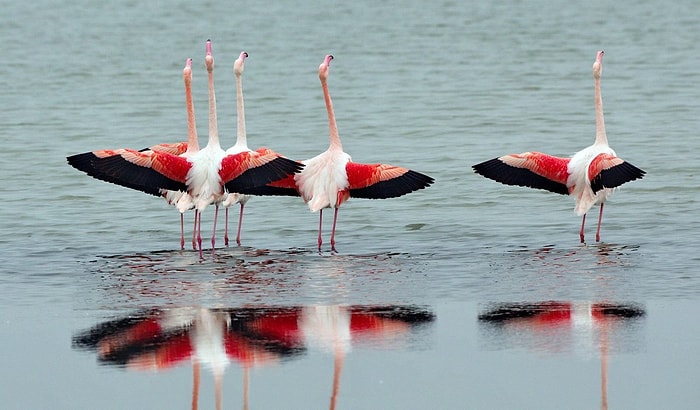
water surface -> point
(436, 89)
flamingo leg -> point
(583, 223)
(195, 385)
(194, 232)
(600, 219)
(182, 231)
(240, 223)
(213, 235)
(335, 220)
(320, 225)
(199, 234)
(226, 229)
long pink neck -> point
(332, 126)
(213, 123)
(600, 137)
(192, 140)
(241, 139)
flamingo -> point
(180, 199)
(240, 146)
(331, 178)
(590, 175)
(204, 175)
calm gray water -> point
(470, 294)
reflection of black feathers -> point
(615, 176)
(501, 172)
(395, 187)
(90, 338)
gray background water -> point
(436, 87)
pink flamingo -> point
(240, 146)
(180, 199)
(204, 175)
(590, 176)
(331, 178)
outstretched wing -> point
(608, 171)
(380, 181)
(529, 169)
(147, 171)
(250, 169)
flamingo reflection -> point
(158, 340)
(556, 326)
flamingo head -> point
(238, 64)
(598, 65)
(209, 59)
(187, 71)
(323, 68)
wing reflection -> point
(161, 339)
(553, 327)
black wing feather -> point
(395, 187)
(615, 176)
(258, 177)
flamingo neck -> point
(192, 140)
(332, 125)
(213, 123)
(600, 137)
(241, 139)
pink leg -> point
(194, 232)
(199, 234)
(240, 223)
(182, 231)
(600, 219)
(213, 235)
(335, 219)
(226, 229)
(583, 223)
(320, 225)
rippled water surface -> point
(469, 294)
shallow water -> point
(436, 89)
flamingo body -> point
(590, 175)
(331, 178)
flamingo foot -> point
(583, 223)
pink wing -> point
(529, 169)
(177, 148)
(380, 181)
(148, 171)
(608, 171)
(246, 171)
